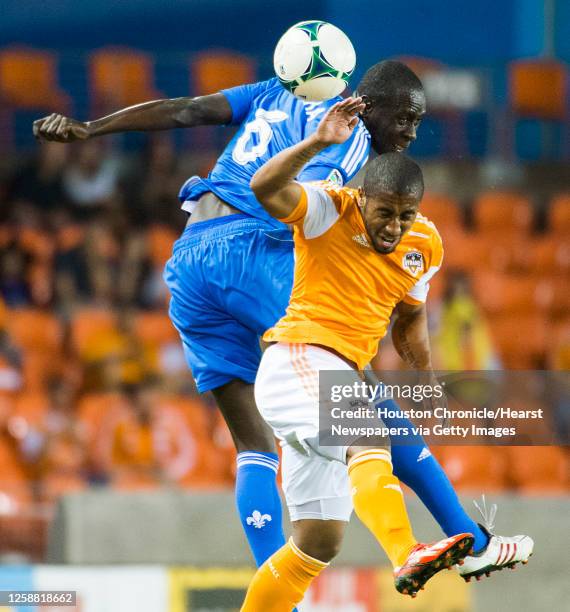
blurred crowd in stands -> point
(93, 384)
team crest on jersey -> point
(413, 262)
(335, 177)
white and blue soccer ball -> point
(314, 60)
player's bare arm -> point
(410, 335)
(274, 183)
(148, 116)
(411, 339)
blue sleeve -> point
(322, 172)
(339, 163)
(241, 97)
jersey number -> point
(259, 130)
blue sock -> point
(258, 503)
(416, 467)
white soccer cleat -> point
(500, 552)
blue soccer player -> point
(231, 274)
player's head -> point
(395, 105)
(392, 191)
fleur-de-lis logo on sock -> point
(257, 519)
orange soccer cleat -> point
(426, 560)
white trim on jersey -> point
(420, 290)
(358, 155)
(189, 206)
(353, 146)
(321, 212)
(354, 155)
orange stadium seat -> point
(61, 467)
(498, 253)
(521, 340)
(506, 293)
(87, 323)
(28, 80)
(443, 210)
(92, 409)
(463, 250)
(539, 470)
(40, 335)
(215, 70)
(557, 294)
(502, 212)
(508, 253)
(474, 468)
(39, 367)
(32, 407)
(559, 344)
(212, 467)
(160, 240)
(69, 236)
(7, 403)
(120, 76)
(477, 251)
(193, 410)
(538, 88)
(559, 215)
(34, 329)
(36, 242)
(210, 72)
(551, 254)
(154, 328)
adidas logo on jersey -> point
(361, 240)
(424, 454)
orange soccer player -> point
(359, 255)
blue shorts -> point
(230, 280)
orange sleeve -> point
(300, 210)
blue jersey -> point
(271, 119)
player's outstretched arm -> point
(274, 183)
(148, 116)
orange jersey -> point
(344, 290)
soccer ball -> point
(314, 60)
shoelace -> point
(488, 515)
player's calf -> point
(282, 581)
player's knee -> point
(324, 551)
(322, 540)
